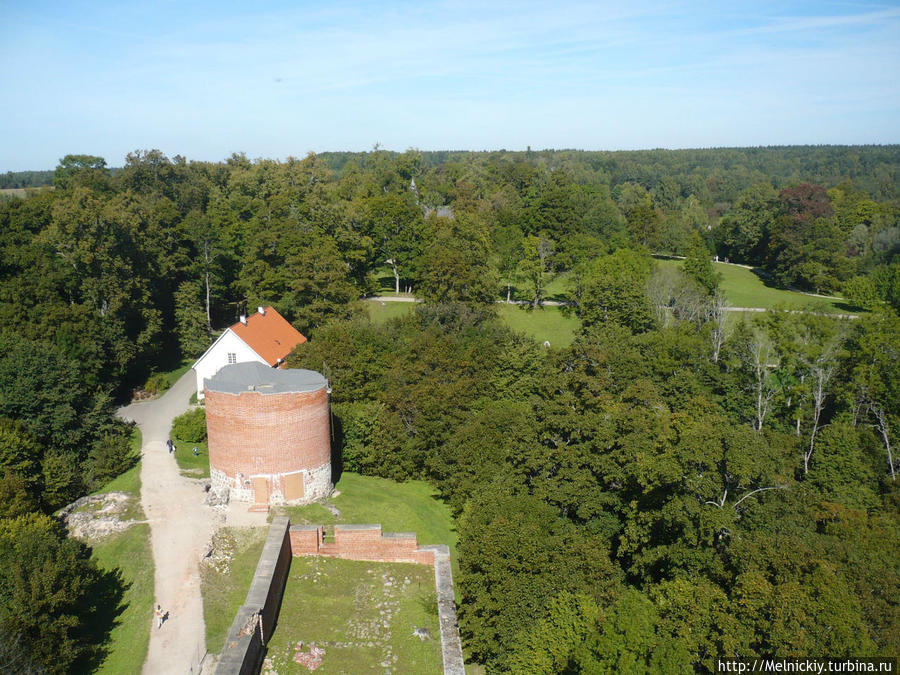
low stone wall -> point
(256, 619)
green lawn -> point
(743, 288)
(129, 551)
(192, 467)
(398, 507)
(361, 613)
(556, 325)
(225, 589)
(552, 324)
(380, 312)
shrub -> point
(191, 426)
(861, 292)
(110, 456)
(156, 384)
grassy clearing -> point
(129, 551)
(744, 288)
(363, 614)
(399, 507)
(556, 325)
(225, 582)
(381, 312)
(191, 466)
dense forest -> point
(670, 488)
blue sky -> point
(275, 79)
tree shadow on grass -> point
(99, 612)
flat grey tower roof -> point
(239, 378)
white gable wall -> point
(216, 357)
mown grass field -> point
(551, 324)
(556, 325)
(380, 312)
(362, 614)
(744, 288)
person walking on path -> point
(159, 616)
(170, 445)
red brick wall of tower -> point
(254, 433)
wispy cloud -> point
(218, 77)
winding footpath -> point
(181, 526)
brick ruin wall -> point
(359, 542)
(272, 436)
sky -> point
(277, 79)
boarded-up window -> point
(260, 491)
(293, 486)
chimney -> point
(261, 310)
(244, 319)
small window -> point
(232, 358)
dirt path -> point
(181, 526)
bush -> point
(861, 292)
(156, 384)
(110, 456)
(191, 426)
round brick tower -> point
(269, 434)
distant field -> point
(379, 312)
(555, 325)
(362, 614)
(550, 324)
(743, 288)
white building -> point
(266, 337)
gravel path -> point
(180, 529)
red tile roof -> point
(269, 335)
